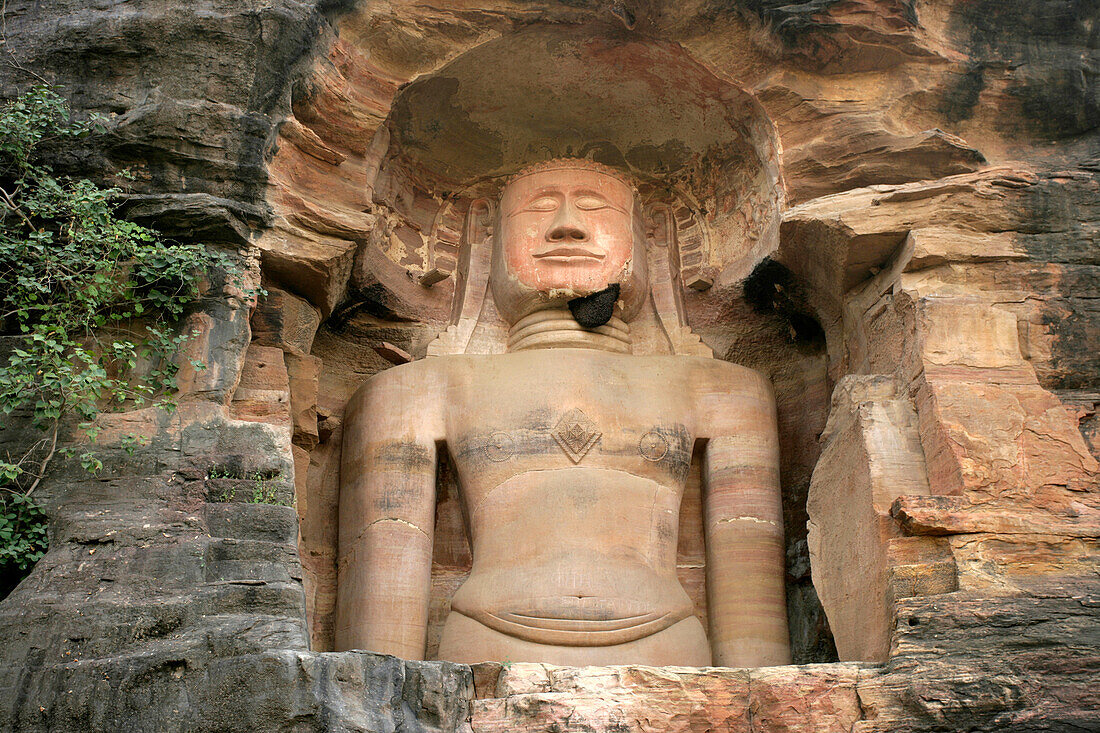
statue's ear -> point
(480, 219)
(475, 253)
(665, 282)
(664, 265)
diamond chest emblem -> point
(576, 434)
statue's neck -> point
(555, 328)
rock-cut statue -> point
(571, 456)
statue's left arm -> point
(743, 521)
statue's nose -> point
(567, 227)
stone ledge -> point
(953, 667)
(545, 698)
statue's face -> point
(567, 230)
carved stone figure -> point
(571, 453)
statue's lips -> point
(567, 252)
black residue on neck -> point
(593, 311)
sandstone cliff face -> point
(905, 245)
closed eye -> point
(590, 203)
(542, 203)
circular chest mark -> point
(500, 447)
(653, 446)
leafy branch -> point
(89, 303)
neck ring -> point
(555, 328)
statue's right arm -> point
(387, 512)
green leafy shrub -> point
(22, 538)
(89, 304)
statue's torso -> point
(571, 465)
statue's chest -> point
(527, 415)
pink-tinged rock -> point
(920, 566)
(303, 373)
(992, 435)
(306, 140)
(796, 699)
(937, 245)
(836, 242)
(537, 698)
(263, 394)
(1071, 515)
(348, 96)
(853, 151)
(987, 426)
(316, 265)
(997, 564)
(301, 468)
(871, 454)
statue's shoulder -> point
(713, 374)
(422, 375)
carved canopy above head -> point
(701, 152)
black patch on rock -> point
(772, 288)
(593, 311)
(960, 99)
(1058, 220)
(1037, 48)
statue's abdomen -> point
(575, 557)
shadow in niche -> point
(789, 345)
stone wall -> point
(924, 305)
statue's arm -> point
(743, 524)
(387, 513)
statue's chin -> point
(533, 301)
(516, 298)
(573, 285)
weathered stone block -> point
(284, 320)
(871, 454)
(543, 698)
(920, 566)
(804, 698)
(303, 373)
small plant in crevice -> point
(89, 309)
(257, 487)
